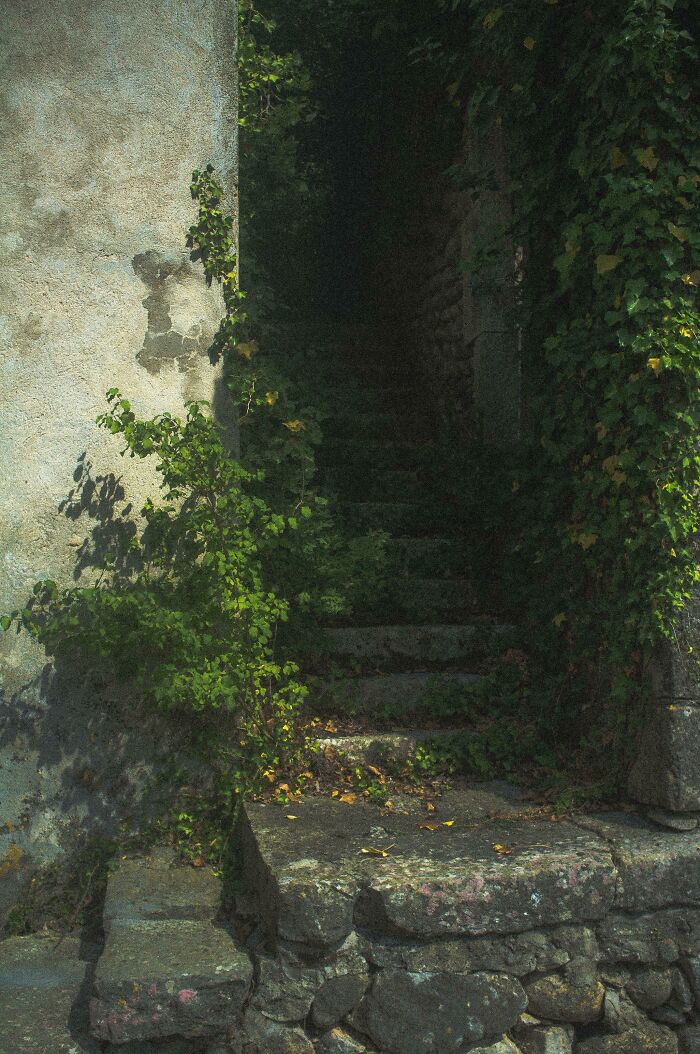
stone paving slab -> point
(44, 990)
(174, 977)
(159, 885)
(316, 879)
(417, 644)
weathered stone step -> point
(426, 597)
(390, 485)
(393, 696)
(363, 427)
(170, 969)
(44, 991)
(369, 459)
(418, 645)
(396, 517)
(482, 925)
(376, 748)
(428, 557)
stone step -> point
(376, 748)
(433, 597)
(397, 697)
(171, 969)
(483, 925)
(436, 645)
(386, 485)
(350, 458)
(45, 986)
(428, 557)
(365, 427)
(395, 517)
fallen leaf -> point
(374, 851)
(198, 861)
(348, 798)
(291, 817)
(617, 158)
(492, 18)
(502, 849)
(295, 426)
(529, 43)
(428, 826)
(447, 823)
(429, 806)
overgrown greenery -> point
(599, 107)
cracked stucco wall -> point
(107, 107)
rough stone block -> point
(650, 987)
(406, 1013)
(546, 1039)
(689, 1040)
(666, 772)
(338, 1041)
(161, 886)
(337, 998)
(555, 998)
(160, 979)
(652, 1039)
(650, 938)
(262, 1036)
(657, 869)
(44, 989)
(315, 883)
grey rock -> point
(406, 1013)
(518, 953)
(667, 770)
(668, 1015)
(258, 1035)
(44, 988)
(652, 1039)
(580, 971)
(161, 886)
(674, 821)
(502, 1046)
(682, 994)
(689, 1039)
(658, 937)
(284, 992)
(555, 998)
(657, 869)
(650, 987)
(160, 979)
(337, 998)
(546, 1039)
(338, 1041)
(620, 1014)
(691, 966)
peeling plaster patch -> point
(180, 339)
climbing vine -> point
(599, 107)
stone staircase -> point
(477, 922)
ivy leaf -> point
(492, 18)
(617, 158)
(529, 43)
(606, 263)
(647, 159)
(678, 232)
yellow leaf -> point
(271, 398)
(517, 88)
(269, 775)
(335, 793)
(290, 817)
(429, 807)
(375, 771)
(647, 159)
(587, 540)
(600, 431)
(348, 798)
(607, 263)
(428, 826)
(692, 278)
(374, 851)
(654, 364)
(618, 477)
(388, 805)
(678, 232)
(559, 619)
(447, 823)
(502, 849)
(668, 77)
(515, 486)
(247, 349)
(529, 43)
(492, 18)
(686, 332)
(295, 426)
(682, 200)
(452, 89)
(617, 158)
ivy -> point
(599, 107)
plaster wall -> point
(106, 107)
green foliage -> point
(599, 107)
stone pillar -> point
(108, 106)
(666, 770)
